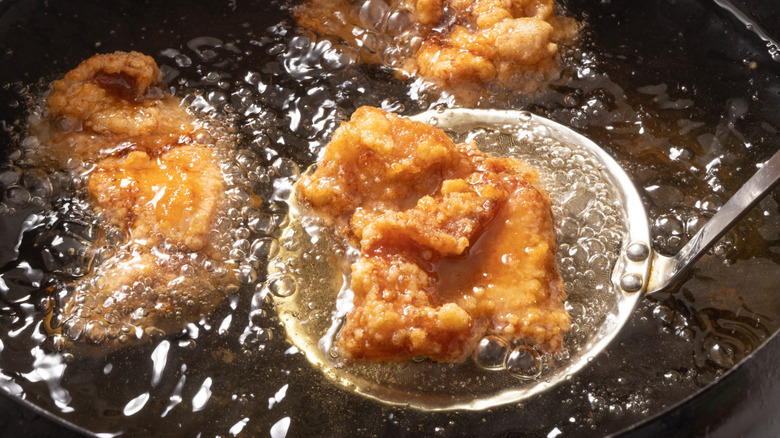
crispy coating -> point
(110, 104)
(454, 244)
(466, 46)
(396, 159)
(174, 196)
(149, 179)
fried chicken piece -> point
(466, 46)
(454, 244)
(111, 104)
(173, 197)
(149, 179)
(396, 159)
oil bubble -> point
(95, 332)
(73, 328)
(38, 183)
(524, 363)
(264, 248)
(18, 197)
(569, 228)
(263, 224)
(282, 286)
(723, 354)
(373, 12)
(491, 353)
(247, 275)
(10, 176)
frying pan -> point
(633, 371)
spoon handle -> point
(667, 270)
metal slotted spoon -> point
(596, 206)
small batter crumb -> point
(463, 47)
(454, 244)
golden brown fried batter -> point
(174, 196)
(454, 244)
(113, 103)
(464, 46)
(149, 179)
